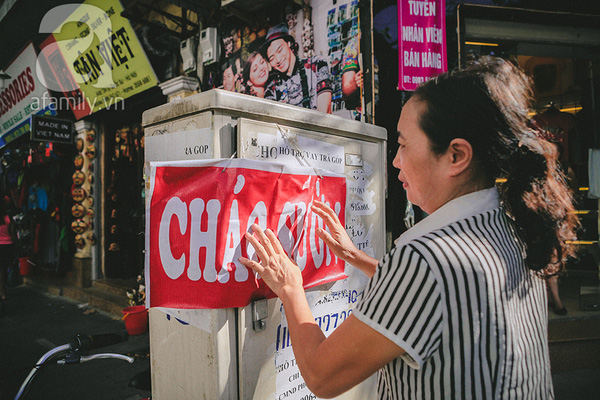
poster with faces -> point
(316, 65)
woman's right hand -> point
(339, 242)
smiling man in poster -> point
(199, 212)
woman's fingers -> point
(327, 214)
(253, 265)
(264, 240)
(327, 238)
(258, 247)
(275, 242)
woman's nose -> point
(397, 162)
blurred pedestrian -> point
(8, 241)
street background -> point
(35, 322)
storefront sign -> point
(296, 149)
(20, 98)
(422, 41)
(51, 129)
(103, 58)
(198, 212)
(193, 144)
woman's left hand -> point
(278, 271)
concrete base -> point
(82, 272)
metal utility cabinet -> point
(245, 353)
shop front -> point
(561, 54)
(36, 155)
(77, 195)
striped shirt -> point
(456, 295)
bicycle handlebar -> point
(84, 343)
(83, 359)
(78, 347)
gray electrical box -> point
(246, 353)
(210, 48)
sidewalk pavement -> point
(35, 322)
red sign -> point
(198, 214)
(60, 79)
(422, 41)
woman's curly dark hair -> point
(487, 104)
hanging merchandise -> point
(78, 178)
(78, 194)
(79, 241)
(79, 161)
(78, 210)
(38, 198)
(90, 152)
(82, 192)
(79, 226)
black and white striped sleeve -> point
(403, 302)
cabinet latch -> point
(260, 312)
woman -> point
(457, 310)
(7, 250)
(256, 75)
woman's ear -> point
(460, 155)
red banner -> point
(198, 214)
(421, 41)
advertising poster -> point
(199, 212)
(94, 56)
(22, 97)
(422, 42)
(311, 59)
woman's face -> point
(259, 71)
(420, 168)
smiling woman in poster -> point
(255, 75)
(457, 310)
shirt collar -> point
(460, 208)
(296, 68)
